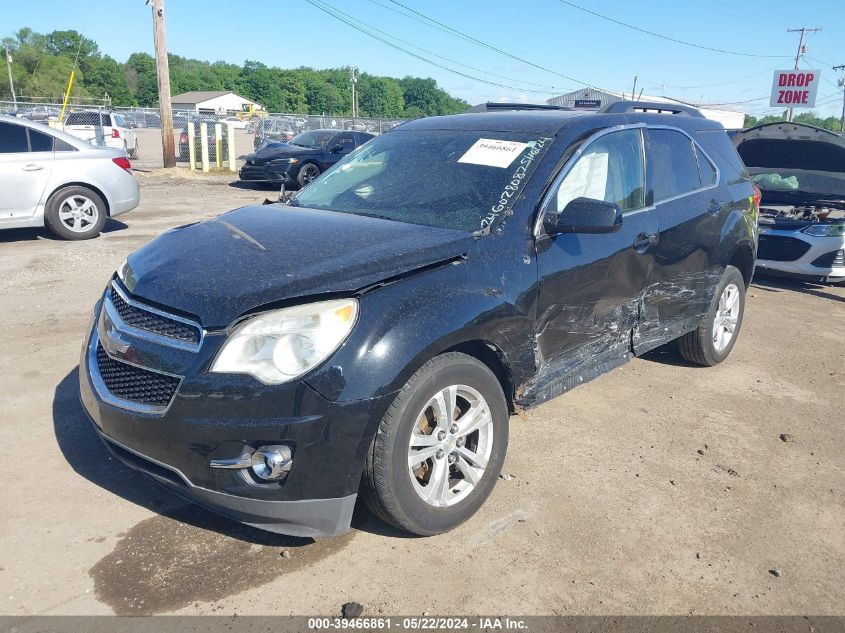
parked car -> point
(48, 177)
(274, 129)
(40, 114)
(142, 119)
(210, 136)
(374, 335)
(235, 122)
(801, 172)
(301, 160)
(103, 128)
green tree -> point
(381, 97)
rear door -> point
(26, 163)
(591, 284)
(691, 207)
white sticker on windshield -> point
(492, 152)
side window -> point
(611, 169)
(673, 164)
(63, 146)
(346, 140)
(40, 142)
(119, 120)
(705, 169)
(12, 138)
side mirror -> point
(584, 215)
(337, 149)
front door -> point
(591, 285)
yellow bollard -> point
(192, 149)
(230, 133)
(218, 144)
(204, 146)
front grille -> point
(833, 259)
(128, 382)
(152, 322)
(778, 248)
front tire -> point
(76, 213)
(439, 448)
(307, 173)
(714, 338)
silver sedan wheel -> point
(727, 315)
(450, 445)
(78, 213)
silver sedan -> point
(49, 178)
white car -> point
(800, 170)
(103, 128)
(235, 122)
(48, 177)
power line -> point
(440, 26)
(333, 12)
(551, 90)
(718, 83)
(664, 37)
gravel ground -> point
(659, 488)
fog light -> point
(271, 463)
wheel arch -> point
(87, 185)
(493, 357)
(743, 259)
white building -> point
(589, 99)
(212, 102)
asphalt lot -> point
(659, 488)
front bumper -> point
(266, 173)
(214, 417)
(790, 253)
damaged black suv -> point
(373, 335)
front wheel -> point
(714, 338)
(439, 448)
(307, 173)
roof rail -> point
(651, 106)
(490, 105)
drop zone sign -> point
(794, 88)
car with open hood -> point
(800, 170)
(373, 335)
(303, 158)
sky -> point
(572, 47)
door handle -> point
(715, 207)
(644, 240)
(33, 167)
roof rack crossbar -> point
(490, 105)
(651, 106)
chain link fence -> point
(137, 130)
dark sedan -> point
(301, 160)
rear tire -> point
(714, 338)
(459, 450)
(75, 213)
(136, 152)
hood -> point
(220, 269)
(274, 151)
(794, 162)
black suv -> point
(374, 335)
(302, 159)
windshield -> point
(467, 180)
(314, 138)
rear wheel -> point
(712, 341)
(135, 152)
(76, 213)
(439, 448)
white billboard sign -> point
(794, 88)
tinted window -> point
(722, 149)
(673, 163)
(705, 169)
(347, 141)
(40, 142)
(63, 146)
(362, 138)
(12, 138)
(611, 169)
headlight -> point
(285, 161)
(121, 270)
(278, 346)
(825, 230)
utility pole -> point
(803, 31)
(353, 70)
(634, 91)
(11, 81)
(163, 75)
(842, 85)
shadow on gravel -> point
(42, 233)
(779, 284)
(669, 355)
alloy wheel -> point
(78, 213)
(727, 315)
